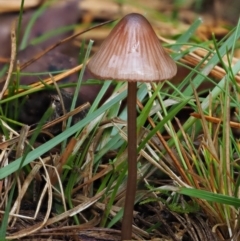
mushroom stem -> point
(132, 162)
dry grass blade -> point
(161, 165)
(7, 143)
(79, 208)
(165, 145)
(97, 176)
(63, 159)
(188, 156)
(152, 157)
(46, 190)
(39, 85)
(22, 138)
(88, 169)
(12, 61)
(196, 56)
(61, 42)
(216, 120)
(204, 126)
(58, 77)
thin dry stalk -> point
(38, 56)
(63, 159)
(195, 57)
(185, 155)
(79, 208)
(204, 125)
(12, 60)
(47, 189)
(167, 148)
(22, 139)
(216, 120)
(39, 85)
(14, 140)
(61, 100)
(88, 169)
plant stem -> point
(132, 162)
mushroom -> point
(132, 52)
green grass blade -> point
(211, 197)
(187, 35)
(12, 167)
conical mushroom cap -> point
(132, 52)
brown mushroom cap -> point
(132, 52)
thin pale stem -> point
(132, 163)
